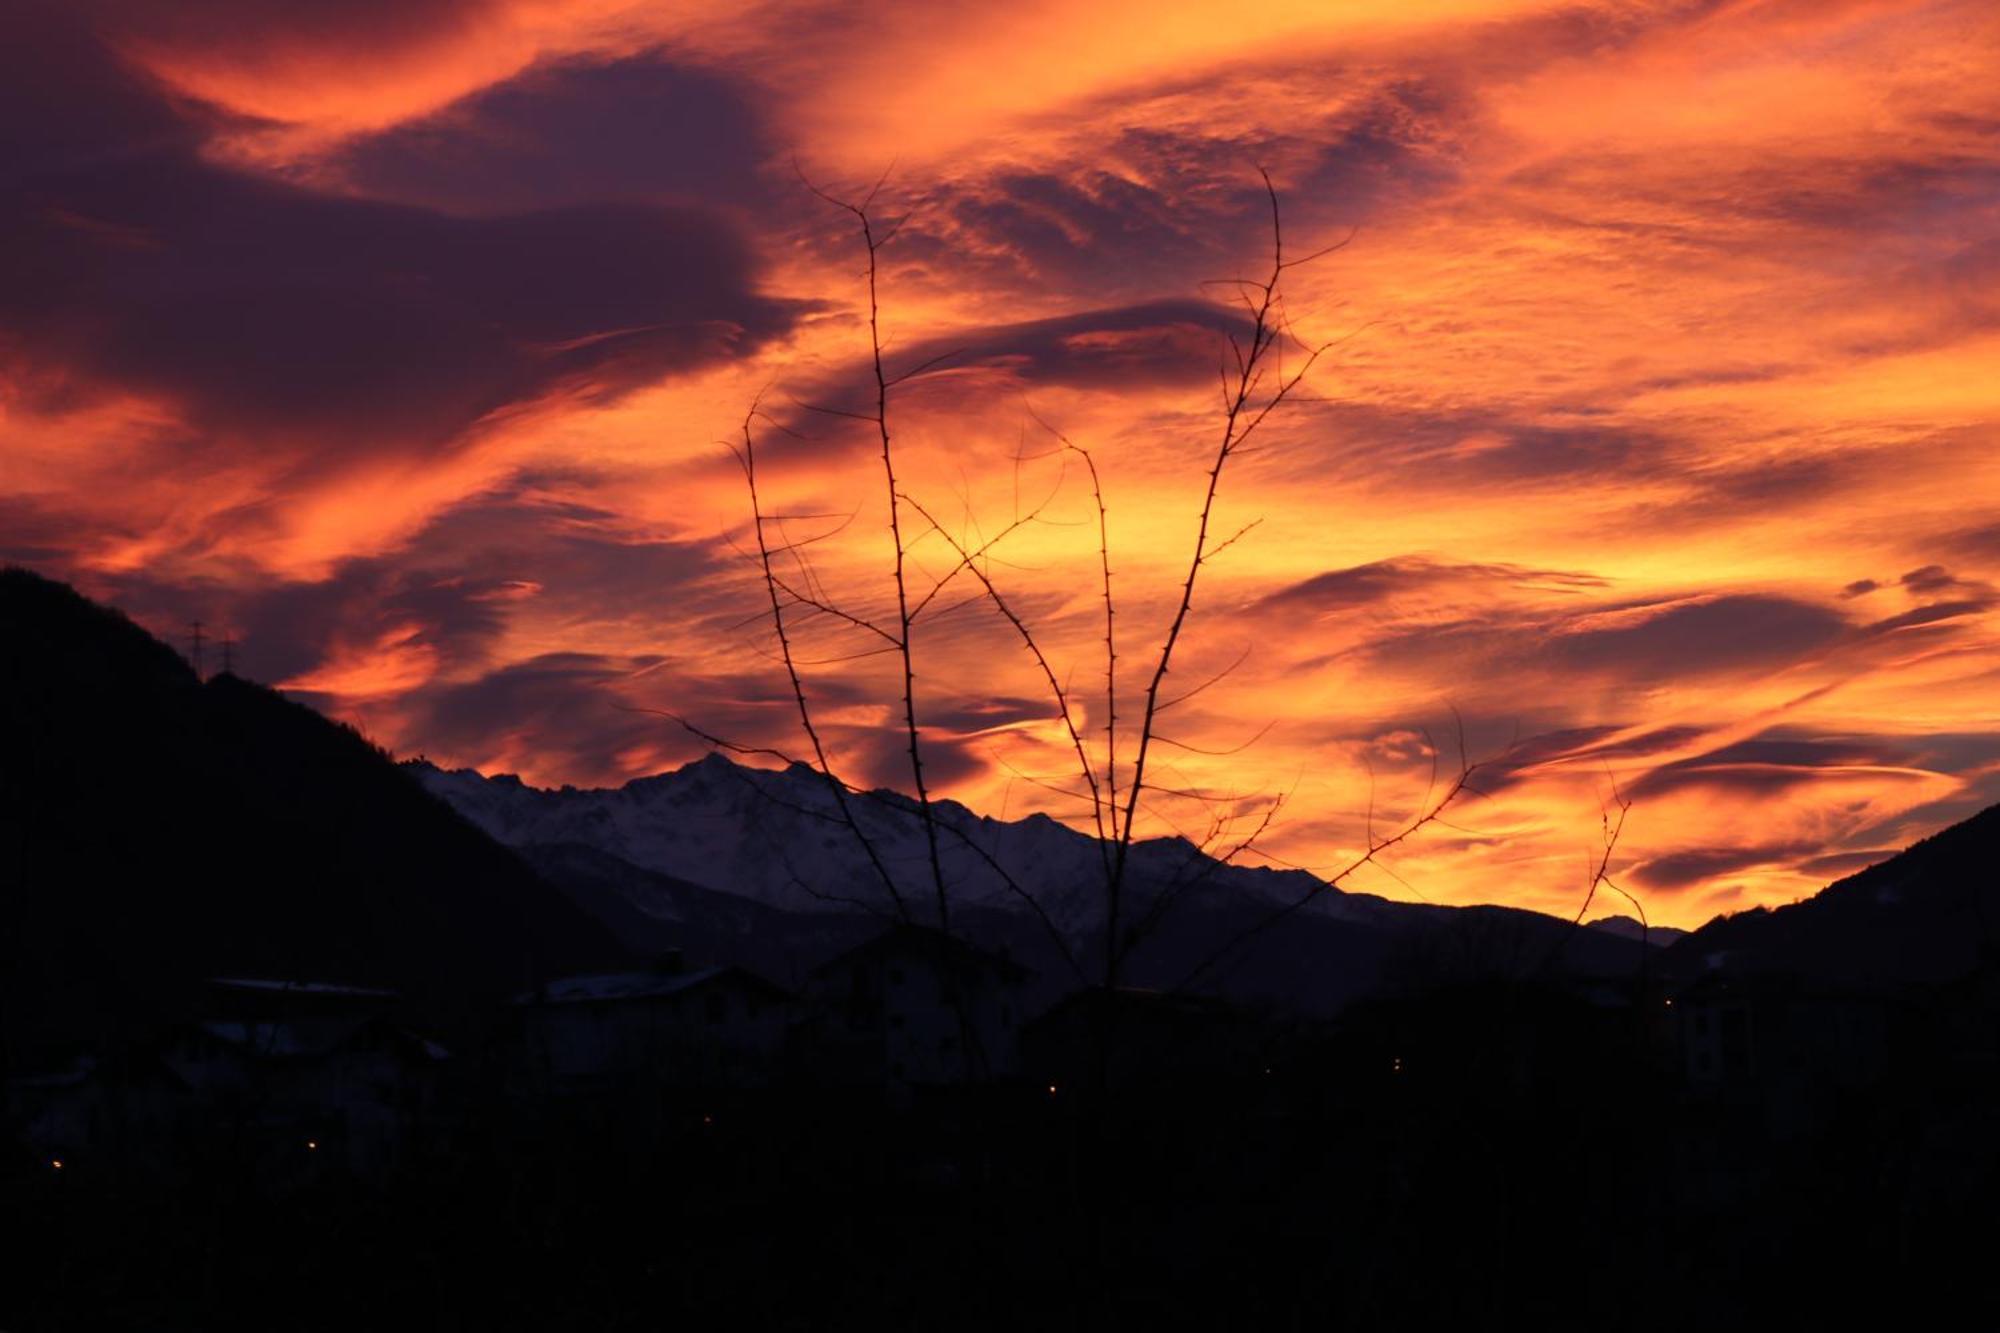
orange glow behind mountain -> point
(1652, 460)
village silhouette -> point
(1057, 667)
(263, 1053)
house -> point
(670, 1025)
(250, 1026)
(1526, 1048)
(309, 1075)
(915, 1006)
(85, 1110)
(1789, 1044)
(1734, 1028)
(1711, 1029)
(289, 1077)
(1133, 1038)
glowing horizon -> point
(1655, 448)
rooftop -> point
(647, 985)
(273, 985)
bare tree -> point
(1116, 772)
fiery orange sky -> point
(404, 339)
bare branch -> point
(1611, 830)
(825, 768)
(923, 366)
(1261, 733)
(823, 410)
(1060, 695)
(826, 608)
(1213, 680)
(1233, 431)
(1234, 538)
(965, 557)
(1371, 856)
(1110, 625)
(912, 731)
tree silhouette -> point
(1115, 767)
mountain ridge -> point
(1929, 913)
(159, 828)
(725, 828)
(645, 821)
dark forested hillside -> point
(156, 829)
(1929, 914)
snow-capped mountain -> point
(757, 866)
(778, 837)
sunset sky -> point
(406, 339)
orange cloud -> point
(1652, 449)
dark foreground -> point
(1804, 1137)
(1579, 1186)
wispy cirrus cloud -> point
(1650, 455)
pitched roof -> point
(284, 1039)
(271, 985)
(648, 985)
(127, 1064)
(907, 939)
(1137, 1000)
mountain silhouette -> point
(157, 829)
(671, 857)
(1929, 914)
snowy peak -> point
(780, 837)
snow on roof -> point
(430, 1049)
(271, 1039)
(621, 986)
(314, 1037)
(301, 987)
(636, 985)
(69, 1075)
